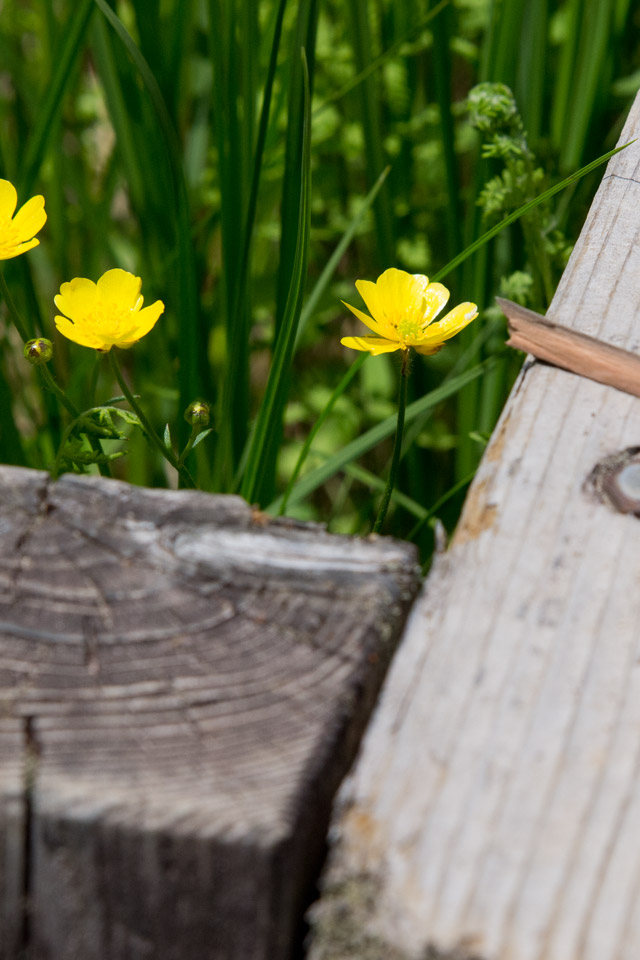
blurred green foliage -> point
(168, 138)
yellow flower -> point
(107, 313)
(403, 308)
(17, 233)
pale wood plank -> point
(183, 683)
(494, 812)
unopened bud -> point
(38, 351)
(197, 414)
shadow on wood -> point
(182, 686)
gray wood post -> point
(494, 812)
(183, 683)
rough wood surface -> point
(182, 686)
(494, 812)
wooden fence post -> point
(494, 812)
(183, 683)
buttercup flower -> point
(107, 313)
(403, 308)
(17, 234)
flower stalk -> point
(169, 456)
(397, 446)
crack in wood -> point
(31, 753)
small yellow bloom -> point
(403, 308)
(107, 313)
(17, 234)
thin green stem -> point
(195, 431)
(397, 448)
(71, 408)
(57, 463)
(168, 455)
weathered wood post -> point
(182, 687)
(494, 812)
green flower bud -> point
(197, 414)
(38, 351)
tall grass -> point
(250, 159)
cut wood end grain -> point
(183, 684)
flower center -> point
(409, 327)
(108, 319)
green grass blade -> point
(531, 78)
(525, 208)
(371, 127)
(73, 34)
(304, 38)
(565, 76)
(505, 39)
(330, 267)
(375, 435)
(234, 406)
(596, 20)
(193, 378)
(442, 29)
(440, 502)
(260, 469)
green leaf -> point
(234, 411)
(200, 437)
(260, 468)
(73, 37)
(192, 368)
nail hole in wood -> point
(616, 481)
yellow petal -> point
(371, 296)
(455, 321)
(79, 334)
(20, 248)
(400, 293)
(145, 320)
(429, 349)
(8, 199)
(120, 287)
(435, 297)
(372, 345)
(368, 322)
(77, 298)
(30, 218)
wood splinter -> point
(571, 350)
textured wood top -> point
(494, 813)
(182, 686)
